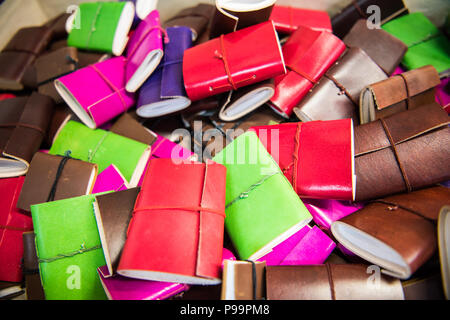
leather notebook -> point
(53, 177)
(287, 19)
(30, 268)
(177, 228)
(397, 233)
(243, 280)
(398, 93)
(410, 149)
(111, 179)
(330, 282)
(24, 123)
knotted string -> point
(146, 33)
(94, 22)
(245, 194)
(91, 153)
(342, 88)
(253, 277)
(408, 97)
(61, 166)
(394, 206)
(82, 249)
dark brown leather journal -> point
(30, 268)
(243, 280)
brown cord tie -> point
(394, 206)
(331, 282)
(400, 165)
(359, 9)
(408, 96)
(24, 125)
(342, 88)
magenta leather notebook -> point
(110, 179)
(144, 51)
(96, 93)
(307, 246)
(118, 287)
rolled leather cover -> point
(426, 43)
(386, 50)
(343, 21)
(336, 95)
(195, 18)
(20, 53)
(308, 54)
(211, 134)
(316, 157)
(118, 287)
(237, 104)
(110, 179)
(24, 123)
(330, 282)
(239, 283)
(232, 61)
(181, 221)
(13, 224)
(58, 26)
(163, 93)
(410, 149)
(405, 223)
(229, 18)
(287, 19)
(401, 92)
(76, 178)
(144, 51)
(96, 93)
(443, 228)
(309, 245)
(113, 213)
(30, 268)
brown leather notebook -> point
(444, 247)
(330, 282)
(384, 49)
(336, 95)
(129, 127)
(426, 288)
(33, 282)
(398, 233)
(113, 212)
(243, 280)
(401, 92)
(52, 178)
(407, 151)
(24, 123)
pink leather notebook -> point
(110, 179)
(96, 93)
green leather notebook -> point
(103, 148)
(101, 26)
(262, 208)
(426, 43)
(69, 249)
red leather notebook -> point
(12, 225)
(308, 54)
(232, 61)
(317, 157)
(177, 228)
(287, 19)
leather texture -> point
(30, 268)
(110, 180)
(308, 54)
(24, 123)
(20, 53)
(329, 282)
(13, 223)
(384, 49)
(227, 20)
(405, 222)
(163, 93)
(240, 284)
(113, 212)
(336, 95)
(256, 188)
(96, 94)
(401, 92)
(316, 157)
(72, 179)
(287, 19)
(343, 21)
(229, 62)
(410, 149)
(192, 211)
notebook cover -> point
(110, 180)
(287, 19)
(30, 268)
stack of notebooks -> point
(245, 150)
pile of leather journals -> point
(226, 150)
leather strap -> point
(222, 55)
(301, 73)
(330, 281)
(394, 206)
(408, 96)
(253, 277)
(111, 85)
(144, 36)
(400, 165)
(359, 10)
(24, 125)
(342, 88)
(94, 22)
(11, 228)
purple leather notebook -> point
(164, 93)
